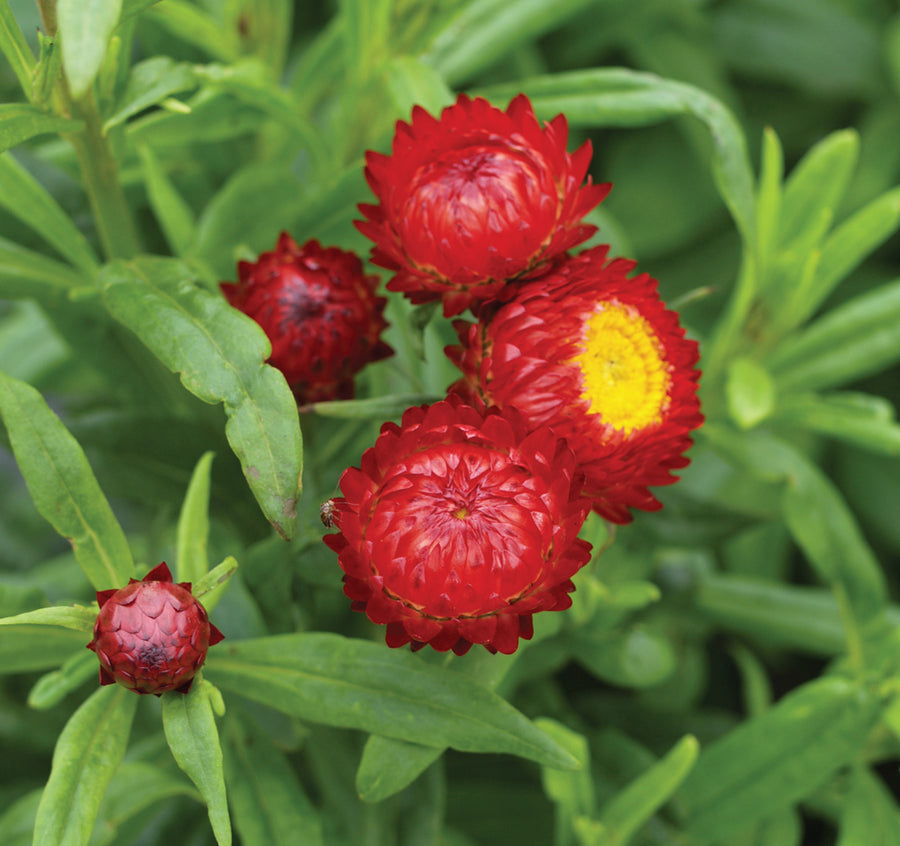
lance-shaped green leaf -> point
(380, 408)
(816, 514)
(870, 813)
(571, 790)
(847, 246)
(620, 97)
(864, 420)
(776, 759)
(17, 820)
(817, 184)
(339, 681)
(411, 82)
(210, 586)
(629, 809)
(175, 216)
(150, 82)
(191, 733)
(268, 802)
(48, 70)
(14, 46)
(388, 765)
(77, 617)
(27, 274)
(63, 486)
(26, 648)
(52, 688)
(87, 754)
(137, 786)
(19, 122)
(86, 27)
(192, 533)
(856, 339)
(24, 198)
(220, 356)
(750, 392)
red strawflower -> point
(458, 526)
(319, 311)
(474, 199)
(598, 357)
(152, 635)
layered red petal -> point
(530, 355)
(457, 524)
(474, 199)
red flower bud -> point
(152, 635)
(319, 311)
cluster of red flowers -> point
(578, 386)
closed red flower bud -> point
(475, 198)
(151, 636)
(319, 311)
(596, 356)
(458, 526)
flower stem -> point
(99, 170)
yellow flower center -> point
(626, 378)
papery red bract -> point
(595, 355)
(152, 636)
(474, 199)
(458, 526)
(319, 311)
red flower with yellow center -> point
(474, 199)
(152, 636)
(595, 355)
(319, 311)
(458, 526)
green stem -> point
(99, 170)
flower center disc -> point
(626, 378)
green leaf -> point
(572, 790)
(14, 46)
(621, 97)
(175, 216)
(52, 688)
(85, 27)
(848, 245)
(768, 201)
(87, 755)
(818, 183)
(191, 733)
(487, 30)
(220, 356)
(856, 339)
(340, 681)
(19, 122)
(195, 26)
(816, 514)
(24, 198)
(268, 802)
(870, 813)
(750, 392)
(374, 408)
(75, 617)
(776, 759)
(192, 533)
(17, 820)
(63, 486)
(860, 419)
(137, 786)
(629, 809)
(211, 586)
(149, 83)
(411, 82)
(389, 765)
(48, 70)
(29, 647)
(635, 657)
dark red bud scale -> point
(152, 636)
